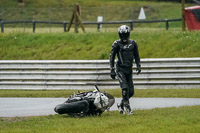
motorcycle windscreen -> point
(111, 99)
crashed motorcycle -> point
(91, 103)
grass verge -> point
(173, 120)
(89, 46)
(180, 93)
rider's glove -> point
(112, 73)
(138, 69)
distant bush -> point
(179, 1)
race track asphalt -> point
(18, 107)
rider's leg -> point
(124, 101)
(123, 84)
(130, 92)
(130, 84)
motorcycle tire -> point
(73, 107)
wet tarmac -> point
(17, 107)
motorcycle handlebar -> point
(96, 87)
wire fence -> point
(64, 23)
(88, 14)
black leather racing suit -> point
(126, 54)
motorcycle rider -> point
(126, 51)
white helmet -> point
(124, 32)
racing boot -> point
(127, 109)
(120, 108)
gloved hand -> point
(112, 73)
(138, 69)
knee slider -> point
(124, 92)
(125, 95)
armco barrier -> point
(83, 74)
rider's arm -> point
(136, 54)
(113, 54)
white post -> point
(100, 19)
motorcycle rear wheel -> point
(73, 107)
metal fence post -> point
(65, 26)
(132, 25)
(2, 27)
(167, 24)
(98, 26)
(33, 26)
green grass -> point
(66, 3)
(63, 46)
(180, 93)
(167, 120)
(111, 10)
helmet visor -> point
(124, 36)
